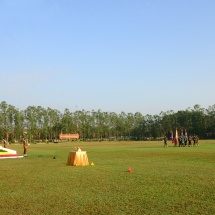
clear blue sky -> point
(142, 56)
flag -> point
(176, 135)
(172, 137)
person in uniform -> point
(182, 141)
(194, 140)
(190, 141)
(197, 140)
(175, 142)
(5, 143)
(25, 146)
(179, 141)
(165, 142)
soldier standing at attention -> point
(25, 147)
(5, 143)
(165, 142)
(190, 141)
(194, 140)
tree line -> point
(47, 123)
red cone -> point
(129, 169)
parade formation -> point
(182, 140)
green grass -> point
(173, 180)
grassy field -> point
(173, 180)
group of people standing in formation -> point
(24, 142)
(182, 140)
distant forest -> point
(42, 124)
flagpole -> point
(176, 136)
